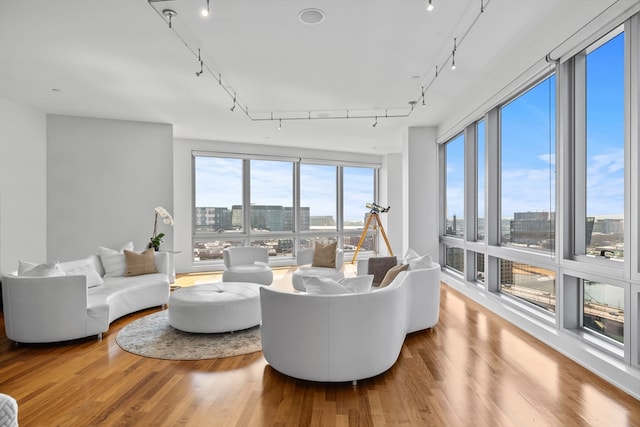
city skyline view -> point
(219, 184)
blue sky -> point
(528, 138)
(219, 183)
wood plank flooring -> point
(471, 369)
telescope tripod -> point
(372, 216)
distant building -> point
(212, 219)
(263, 217)
(533, 229)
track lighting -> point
(170, 14)
(453, 54)
(205, 11)
(167, 15)
(199, 60)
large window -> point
(454, 225)
(568, 139)
(358, 191)
(318, 197)
(480, 137)
(218, 205)
(528, 173)
(245, 201)
(271, 196)
(605, 148)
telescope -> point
(376, 208)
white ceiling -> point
(119, 59)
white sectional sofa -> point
(51, 309)
(347, 337)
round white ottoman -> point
(215, 307)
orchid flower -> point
(167, 219)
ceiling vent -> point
(311, 16)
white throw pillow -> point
(113, 261)
(358, 284)
(322, 286)
(417, 262)
(31, 269)
(83, 267)
(326, 286)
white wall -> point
(23, 200)
(183, 182)
(391, 194)
(420, 191)
(104, 179)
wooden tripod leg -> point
(364, 234)
(384, 235)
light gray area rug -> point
(152, 336)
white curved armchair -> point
(247, 264)
(305, 258)
(346, 337)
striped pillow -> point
(113, 261)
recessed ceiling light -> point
(311, 16)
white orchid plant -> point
(156, 239)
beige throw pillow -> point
(324, 255)
(140, 263)
(392, 273)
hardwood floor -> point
(471, 369)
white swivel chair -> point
(305, 258)
(247, 264)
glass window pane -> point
(218, 195)
(271, 196)
(455, 187)
(480, 267)
(534, 285)
(276, 247)
(528, 168)
(358, 190)
(211, 249)
(318, 197)
(455, 258)
(480, 129)
(603, 309)
(605, 149)
(308, 242)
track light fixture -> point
(198, 73)
(170, 14)
(453, 54)
(205, 11)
